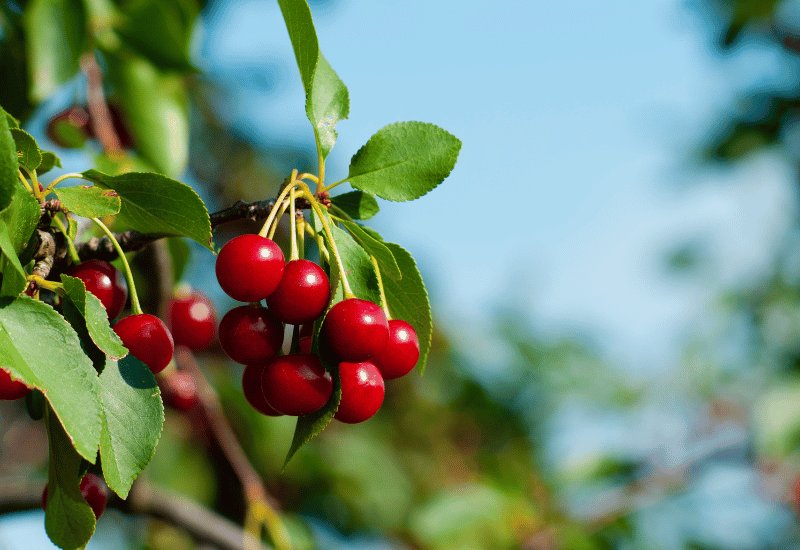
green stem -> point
(65, 177)
(331, 186)
(24, 181)
(384, 303)
(299, 225)
(34, 184)
(135, 307)
(73, 253)
(294, 254)
(321, 178)
(278, 201)
(274, 227)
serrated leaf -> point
(49, 161)
(14, 280)
(39, 347)
(327, 98)
(375, 248)
(69, 520)
(55, 32)
(11, 121)
(94, 314)
(152, 203)
(89, 201)
(21, 217)
(310, 425)
(133, 415)
(9, 181)
(407, 300)
(28, 153)
(358, 267)
(403, 161)
(357, 204)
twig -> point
(98, 108)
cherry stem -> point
(348, 292)
(307, 176)
(135, 307)
(73, 253)
(295, 348)
(274, 227)
(293, 232)
(299, 224)
(274, 211)
(24, 181)
(384, 303)
(52, 286)
(34, 184)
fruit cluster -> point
(355, 335)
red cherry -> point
(250, 334)
(249, 268)
(401, 352)
(251, 385)
(11, 389)
(296, 384)
(180, 391)
(192, 320)
(104, 281)
(148, 339)
(302, 295)
(362, 392)
(356, 330)
(94, 492)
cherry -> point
(148, 339)
(303, 293)
(356, 329)
(362, 392)
(104, 281)
(192, 320)
(251, 385)
(180, 391)
(70, 128)
(250, 334)
(11, 389)
(94, 492)
(296, 384)
(401, 352)
(249, 268)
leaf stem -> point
(135, 307)
(24, 181)
(65, 177)
(73, 253)
(331, 186)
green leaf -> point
(310, 425)
(358, 267)
(11, 121)
(56, 35)
(49, 161)
(374, 247)
(152, 203)
(69, 520)
(89, 201)
(327, 99)
(404, 160)
(28, 153)
(9, 166)
(14, 280)
(155, 108)
(39, 347)
(132, 419)
(357, 204)
(21, 217)
(94, 313)
(407, 299)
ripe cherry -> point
(104, 281)
(11, 389)
(180, 391)
(251, 385)
(250, 334)
(296, 384)
(192, 320)
(148, 339)
(303, 293)
(249, 268)
(401, 352)
(356, 329)
(94, 492)
(362, 392)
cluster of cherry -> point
(355, 335)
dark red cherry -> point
(179, 391)
(250, 334)
(401, 352)
(192, 320)
(148, 339)
(362, 392)
(104, 281)
(94, 492)
(10, 388)
(251, 385)
(356, 330)
(296, 384)
(249, 268)
(302, 295)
